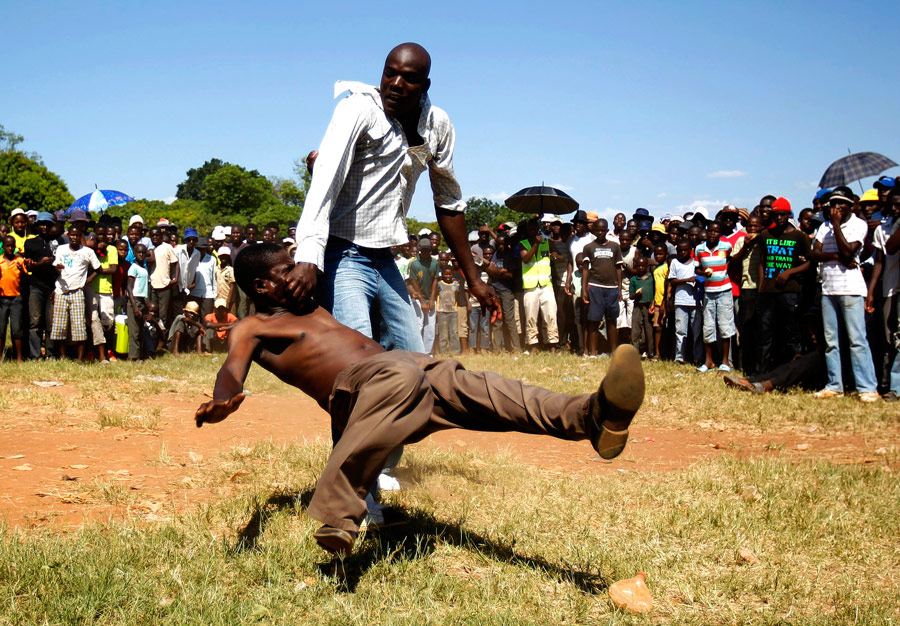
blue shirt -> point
(141, 280)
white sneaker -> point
(380, 516)
(386, 482)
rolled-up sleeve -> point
(332, 165)
(447, 193)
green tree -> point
(287, 190)
(25, 181)
(9, 140)
(484, 211)
(233, 190)
(413, 226)
(192, 186)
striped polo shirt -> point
(717, 260)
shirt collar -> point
(370, 90)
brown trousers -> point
(396, 397)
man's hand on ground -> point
(487, 298)
(302, 281)
(216, 410)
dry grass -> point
(489, 542)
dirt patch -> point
(62, 469)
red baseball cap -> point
(781, 204)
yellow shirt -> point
(103, 282)
(659, 282)
(20, 241)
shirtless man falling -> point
(379, 400)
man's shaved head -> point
(404, 81)
(414, 53)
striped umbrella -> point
(854, 167)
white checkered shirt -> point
(366, 173)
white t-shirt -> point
(837, 278)
(577, 246)
(684, 294)
(205, 285)
(890, 273)
(77, 264)
(165, 256)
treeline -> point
(217, 192)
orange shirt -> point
(221, 333)
(11, 276)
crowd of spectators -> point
(102, 291)
(788, 299)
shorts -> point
(718, 314)
(68, 310)
(604, 303)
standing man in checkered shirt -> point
(379, 141)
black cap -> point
(580, 216)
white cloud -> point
(803, 184)
(712, 206)
(726, 174)
(497, 197)
(566, 188)
(661, 195)
(169, 200)
(612, 181)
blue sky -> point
(656, 104)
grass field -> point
(491, 541)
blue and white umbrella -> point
(99, 200)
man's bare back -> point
(307, 351)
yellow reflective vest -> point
(537, 273)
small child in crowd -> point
(642, 292)
(660, 274)
(448, 337)
(718, 305)
(12, 268)
(154, 331)
(137, 292)
(687, 318)
(187, 330)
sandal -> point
(335, 540)
(724, 368)
(617, 400)
(703, 368)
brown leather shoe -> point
(335, 540)
(617, 400)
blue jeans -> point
(688, 318)
(427, 322)
(363, 289)
(851, 311)
(479, 329)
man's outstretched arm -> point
(228, 392)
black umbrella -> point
(542, 200)
(854, 167)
